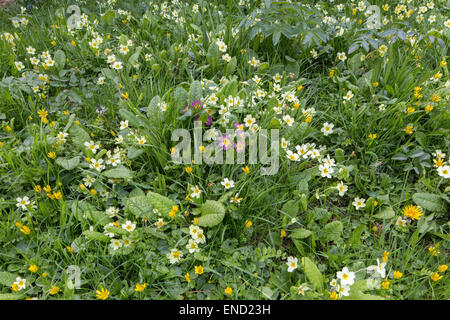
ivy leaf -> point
(212, 213)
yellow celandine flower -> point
(52, 155)
(187, 277)
(283, 233)
(1, 144)
(44, 274)
(140, 287)
(334, 295)
(25, 230)
(125, 95)
(14, 287)
(331, 74)
(246, 170)
(436, 277)
(373, 136)
(436, 98)
(53, 290)
(386, 256)
(198, 269)
(8, 128)
(116, 224)
(33, 268)
(410, 110)
(188, 170)
(82, 187)
(43, 113)
(195, 221)
(248, 223)
(69, 249)
(428, 108)
(73, 42)
(376, 84)
(443, 268)
(434, 249)
(93, 192)
(37, 188)
(102, 294)
(47, 189)
(228, 290)
(413, 212)
(57, 195)
(397, 274)
(409, 129)
(385, 284)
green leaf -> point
(108, 17)
(357, 291)
(212, 213)
(79, 136)
(140, 206)
(161, 203)
(117, 230)
(11, 296)
(355, 236)
(134, 152)
(313, 274)
(60, 58)
(429, 201)
(291, 208)
(94, 235)
(68, 164)
(195, 91)
(7, 279)
(300, 233)
(120, 172)
(385, 212)
(333, 230)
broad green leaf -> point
(357, 291)
(79, 136)
(134, 152)
(120, 172)
(117, 230)
(385, 213)
(333, 230)
(11, 296)
(140, 206)
(429, 201)
(67, 163)
(7, 279)
(291, 208)
(212, 213)
(300, 233)
(195, 91)
(94, 235)
(108, 17)
(60, 58)
(312, 273)
(161, 203)
(355, 236)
